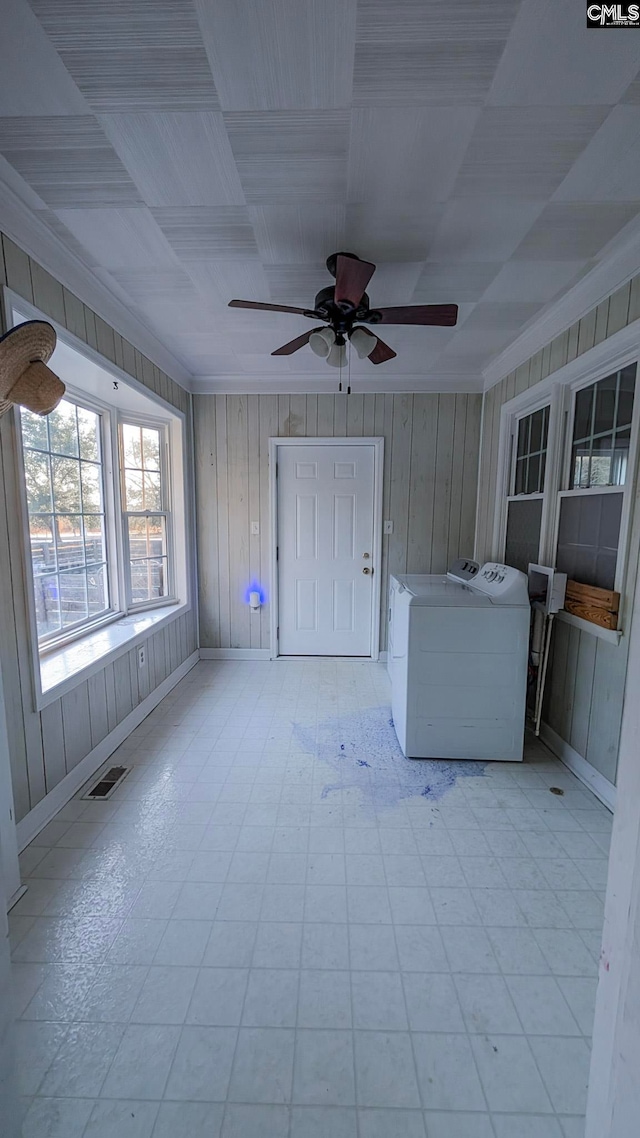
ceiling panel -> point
(119, 238)
(525, 151)
(113, 24)
(489, 315)
(67, 160)
(533, 280)
(221, 281)
(394, 282)
(553, 58)
(609, 168)
(406, 21)
(389, 233)
(199, 234)
(447, 73)
(282, 155)
(54, 93)
(143, 78)
(573, 231)
(295, 53)
(483, 229)
(298, 234)
(446, 282)
(177, 159)
(412, 153)
(296, 284)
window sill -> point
(612, 636)
(64, 668)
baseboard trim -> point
(35, 821)
(596, 782)
(235, 654)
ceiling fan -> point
(344, 307)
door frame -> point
(377, 442)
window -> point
(144, 504)
(100, 522)
(569, 477)
(64, 478)
(591, 508)
(525, 501)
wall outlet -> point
(388, 527)
(255, 529)
(142, 656)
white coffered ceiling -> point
(190, 151)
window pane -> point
(73, 597)
(146, 537)
(94, 543)
(97, 596)
(34, 430)
(65, 473)
(533, 475)
(533, 431)
(43, 549)
(523, 435)
(605, 404)
(69, 540)
(151, 448)
(132, 446)
(47, 605)
(133, 490)
(38, 481)
(148, 579)
(583, 413)
(91, 487)
(89, 434)
(523, 533)
(152, 493)
(599, 455)
(63, 429)
(588, 538)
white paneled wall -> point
(585, 684)
(45, 746)
(430, 484)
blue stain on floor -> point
(363, 751)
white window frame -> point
(92, 646)
(167, 511)
(51, 641)
(558, 390)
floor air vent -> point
(108, 782)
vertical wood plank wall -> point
(429, 492)
(585, 685)
(46, 745)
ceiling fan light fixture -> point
(322, 342)
(363, 342)
(337, 356)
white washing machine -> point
(458, 662)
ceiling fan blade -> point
(269, 307)
(352, 278)
(293, 345)
(381, 353)
(444, 315)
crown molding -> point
(328, 385)
(23, 226)
(616, 267)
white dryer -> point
(458, 663)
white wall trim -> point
(596, 782)
(35, 821)
(613, 271)
(321, 383)
(23, 226)
(235, 654)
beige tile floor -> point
(278, 927)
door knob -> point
(367, 569)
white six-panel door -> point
(325, 535)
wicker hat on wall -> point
(24, 375)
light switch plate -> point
(388, 527)
(255, 529)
